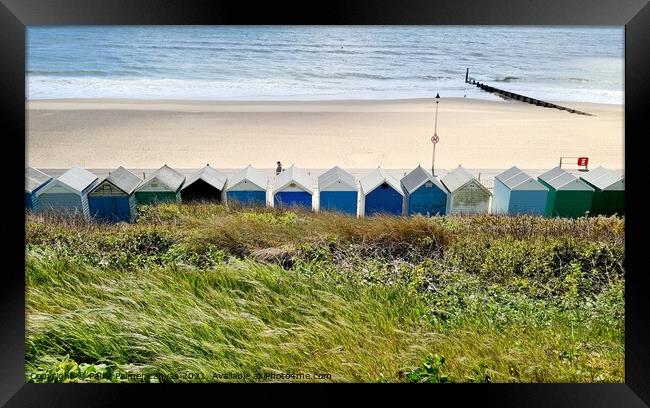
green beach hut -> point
(609, 194)
(163, 186)
(568, 196)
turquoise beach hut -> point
(515, 192)
(112, 199)
(381, 194)
(68, 194)
(293, 188)
(34, 181)
(423, 194)
(248, 187)
(338, 191)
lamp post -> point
(435, 139)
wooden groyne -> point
(518, 97)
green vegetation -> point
(199, 292)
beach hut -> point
(112, 199)
(466, 194)
(293, 188)
(423, 193)
(247, 187)
(609, 191)
(515, 192)
(205, 185)
(34, 181)
(381, 193)
(162, 186)
(338, 191)
(568, 196)
(68, 194)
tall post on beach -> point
(435, 139)
(467, 75)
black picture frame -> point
(15, 15)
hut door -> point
(113, 206)
(106, 206)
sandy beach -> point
(104, 133)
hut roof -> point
(167, 176)
(594, 174)
(34, 179)
(552, 173)
(293, 175)
(458, 177)
(417, 177)
(603, 178)
(610, 181)
(559, 178)
(334, 175)
(250, 174)
(511, 172)
(124, 179)
(376, 178)
(515, 179)
(77, 178)
(210, 175)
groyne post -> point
(522, 98)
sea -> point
(564, 63)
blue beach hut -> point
(338, 191)
(381, 193)
(515, 192)
(293, 188)
(68, 194)
(34, 181)
(247, 187)
(423, 193)
(112, 199)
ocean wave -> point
(93, 73)
(364, 75)
(68, 72)
(564, 79)
(361, 75)
(251, 48)
(407, 53)
(507, 79)
(431, 77)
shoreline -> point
(477, 133)
(126, 103)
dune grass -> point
(196, 292)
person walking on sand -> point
(278, 169)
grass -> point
(194, 292)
